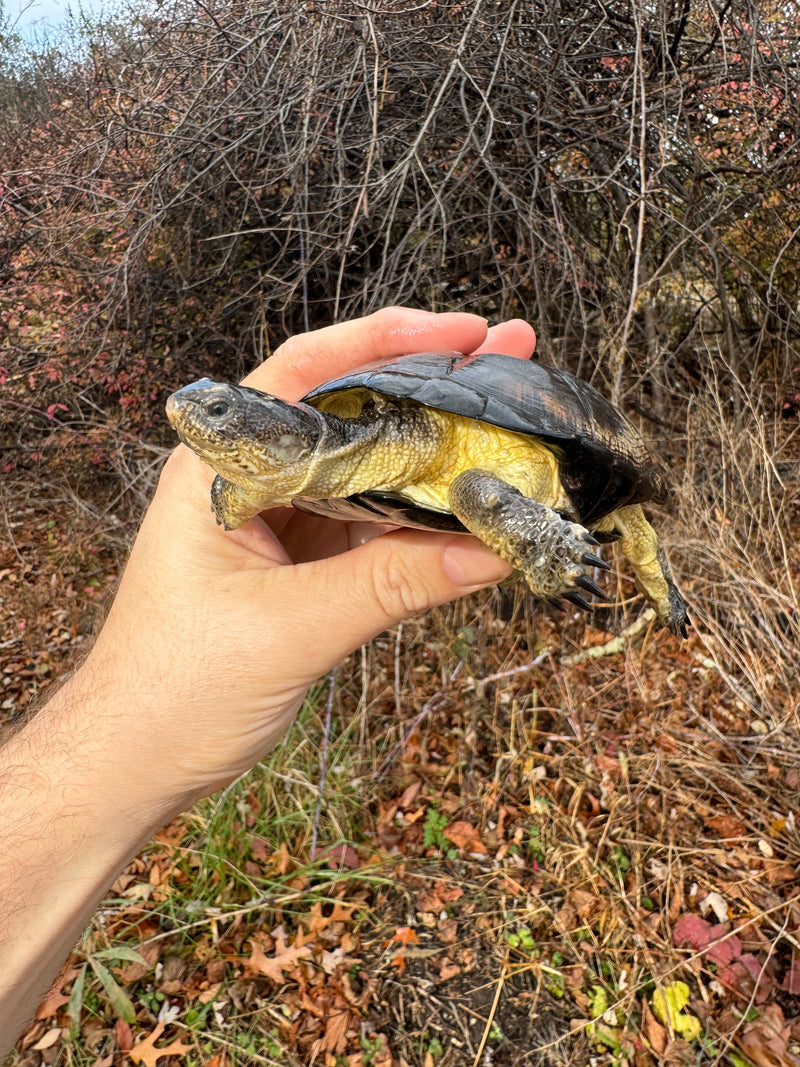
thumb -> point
(360, 593)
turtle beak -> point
(206, 415)
(173, 407)
(179, 401)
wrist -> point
(92, 765)
(69, 822)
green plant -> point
(521, 938)
(433, 830)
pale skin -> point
(204, 660)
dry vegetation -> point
(528, 846)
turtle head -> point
(252, 439)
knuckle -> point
(398, 591)
(385, 321)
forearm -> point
(69, 821)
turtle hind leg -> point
(554, 554)
(639, 543)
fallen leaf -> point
(608, 765)
(765, 1040)
(716, 903)
(54, 998)
(726, 826)
(448, 930)
(746, 976)
(464, 836)
(331, 960)
(335, 1038)
(653, 1031)
(339, 913)
(691, 930)
(124, 1035)
(448, 969)
(724, 950)
(777, 873)
(716, 944)
(338, 856)
(586, 905)
(435, 898)
(274, 967)
(48, 1040)
(281, 861)
(137, 969)
(565, 919)
(403, 935)
(668, 1003)
(145, 1051)
(791, 980)
(409, 795)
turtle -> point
(529, 458)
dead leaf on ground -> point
(145, 1051)
(726, 826)
(447, 930)
(746, 977)
(586, 905)
(464, 836)
(319, 921)
(712, 940)
(48, 1040)
(403, 935)
(409, 795)
(274, 967)
(791, 980)
(439, 894)
(124, 1035)
(135, 970)
(653, 1031)
(54, 998)
(765, 1040)
(335, 1037)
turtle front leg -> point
(233, 505)
(553, 553)
(639, 543)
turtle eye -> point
(217, 408)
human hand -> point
(206, 655)
(215, 637)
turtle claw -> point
(591, 560)
(591, 587)
(579, 602)
(677, 619)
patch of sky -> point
(60, 30)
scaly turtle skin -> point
(533, 461)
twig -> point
(616, 644)
(492, 1012)
(323, 771)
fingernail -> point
(472, 566)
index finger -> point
(308, 359)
